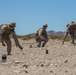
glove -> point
(20, 47)
(3, 44)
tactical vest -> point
(6, 33)
(44, 33)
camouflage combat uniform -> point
(41, 36)
(71, 29)
(5, 36)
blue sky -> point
(30, 15)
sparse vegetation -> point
(59, 37)
(26, 37)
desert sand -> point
(60, 60)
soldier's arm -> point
(16, 40)
(66, 34)
(3, 29)
(40, 34)
(2, 33)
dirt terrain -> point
(60, 60)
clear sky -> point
(30, 15)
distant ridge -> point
(51, 32)
(59, 33)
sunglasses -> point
(12, 26)
(45, 26)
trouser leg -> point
(44, 42)
(72, 38)
(39, 44)
(38, 40)
(8, 43)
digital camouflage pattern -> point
(41, 35)
(5, 33)
(71, 29)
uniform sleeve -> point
(40, 34)
(3, 29)
(46, 36)
(15, 38)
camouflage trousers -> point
(8, 43)
(39, 41)
(72, 38)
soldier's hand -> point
(20, 47)
(3, 44)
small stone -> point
(17, 62)
(66, 61)
(26, 66)
(51, 71)
(66, 71)
(30, 46)
(17, 71)
(56, 65)
(26, 71)
(42, 65)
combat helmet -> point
(72, 21)
(13, 24)
(45, 25)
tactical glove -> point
(3, 44)
(20, 47)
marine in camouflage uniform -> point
(71, 29)
(41, 36)
(6, 31)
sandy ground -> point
(60, 60)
